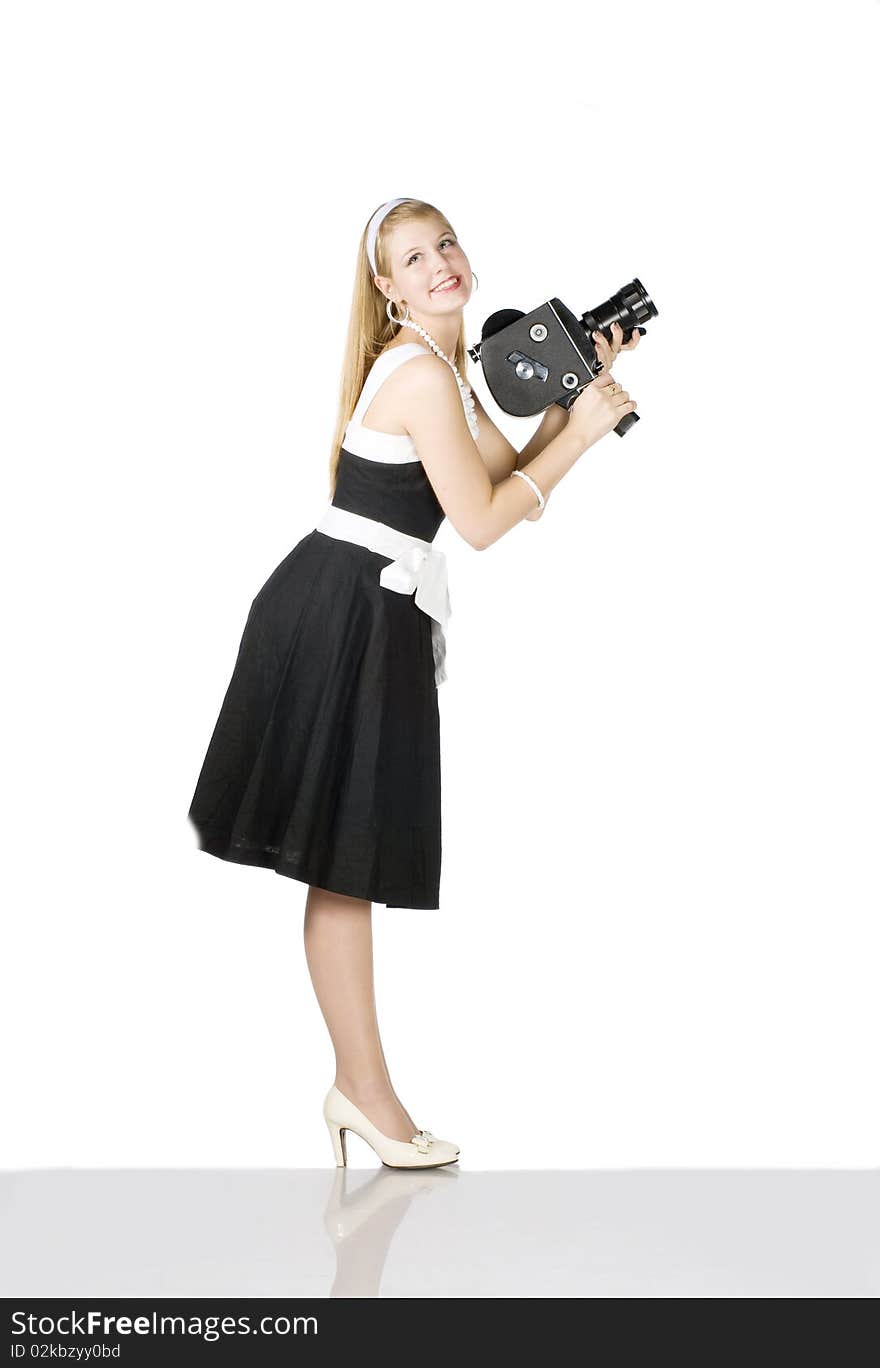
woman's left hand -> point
(608, 352)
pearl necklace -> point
(466, 397)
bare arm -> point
(547, 468)
(501, 458)
(480, 511)
(554, 421)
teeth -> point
(447, 285)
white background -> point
(658, 936)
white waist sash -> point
(415, 565)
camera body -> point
(548, 356)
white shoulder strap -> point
(382, 367)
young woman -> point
(324, 764)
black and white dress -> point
(324, 764)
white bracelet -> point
(528, 479)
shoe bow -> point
(423, 1140)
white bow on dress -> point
(425, 572)
(417, 566)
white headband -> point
(373, 228)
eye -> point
(450, 240)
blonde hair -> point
(369, 327)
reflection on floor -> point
(441, 1232)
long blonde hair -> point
(369, 327)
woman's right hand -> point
(596, 411)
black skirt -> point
(324, 764)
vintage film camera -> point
(546, 357)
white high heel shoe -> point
(424, 1150)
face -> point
(423, 254)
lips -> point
(445, 287)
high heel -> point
(337, 1135)
(424, 1150)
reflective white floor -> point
(440, 1233)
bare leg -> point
(338, 936)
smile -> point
(452, 283)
